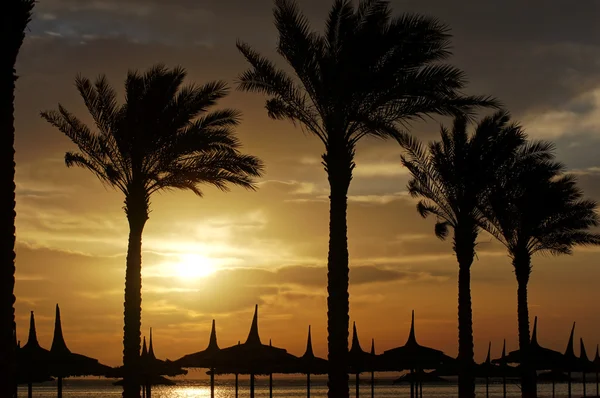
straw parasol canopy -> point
(33, 361)
(412, 355)
(310, 364)
(153, 366)
(585, 365)
(64, 363)
(359, 360)
(202, 359)
(255, 358)
(541, 358)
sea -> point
(295, 387)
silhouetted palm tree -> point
(535, 208)
(162, 138)
(451, 177)
(16, 15)
(365, 73)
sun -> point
(193, 266)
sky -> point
(216, 257)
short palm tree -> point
(365, 75)
(162, 138)
(451, 176)
(16, 15)
(536, 208)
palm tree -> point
(16, 16)
(535, 208)
(451, 176)
(365, 75)
(161, 138)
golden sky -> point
(217, 256)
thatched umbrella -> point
(33, 361)
(204, 359)
(585, 365)
(64, 363)
(506, 369)
(359, 360)
(414, 357)
(150, 369)
(570, 362)
(255, 358)
(309, 364)
(153, 367)
(487, 369)
(541, 358)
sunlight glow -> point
(193, 266)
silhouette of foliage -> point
(162, 138)
(452, 177)
(367, 74)
(535, 207)
(15, 16)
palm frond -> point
(163, 137)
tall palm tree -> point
(365, 75)
(16, 15)
(162, 138)
(536, 208)
(451, 176)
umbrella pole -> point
(504, 385)
(553, 387)
(236, 386)
(372, 384)
(569, 383)
(251, 385)
(308, 385)
(421, 388)
(412, 384)
(357, 381)
(29, 390)
(59, 387)
(487, 387)
(212, 383)
(270, 385)
(144, 390)
(584, 389)
(149, 394)
(597, 385)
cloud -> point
(391, 169)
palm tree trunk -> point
(14, 19)
(137, 214)
(522, 265)
(7, 214)
(339, 169)
(464, 247)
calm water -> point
(283, 388)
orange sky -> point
(269, 247)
